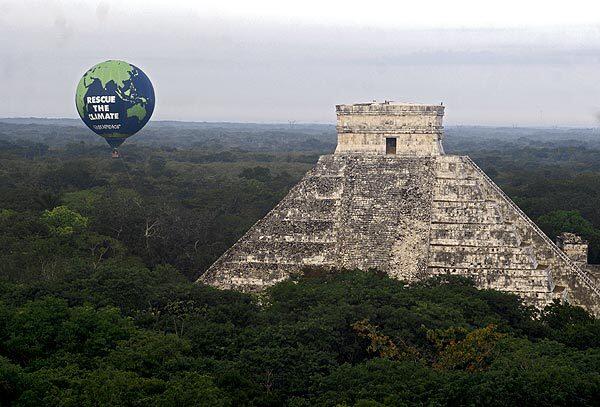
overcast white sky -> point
(492, 63)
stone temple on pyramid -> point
(390, 199)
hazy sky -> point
(504, 63)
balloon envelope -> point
(115, 100)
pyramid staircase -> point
(482, 234)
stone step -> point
(511, 272)
(450, 192)
(294, 230)
(500, 279)
(298, 238)
(474, 234)
(309, 208)
(471, 182)
(320, 187)
(285, 252)
(465, 212)
(481, 257)
(329, 164)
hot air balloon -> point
(115, 100)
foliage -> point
(63, 222)
(97, 306)
(382, 345)
(473, 353)
(341, 338)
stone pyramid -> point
(390, 199)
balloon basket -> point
(115, 153)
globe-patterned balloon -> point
(115, 100)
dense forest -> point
(98, 305)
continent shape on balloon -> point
(115, 100)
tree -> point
(192, 389)
(63, 222)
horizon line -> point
(294, 123)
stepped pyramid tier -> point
(390, 199)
